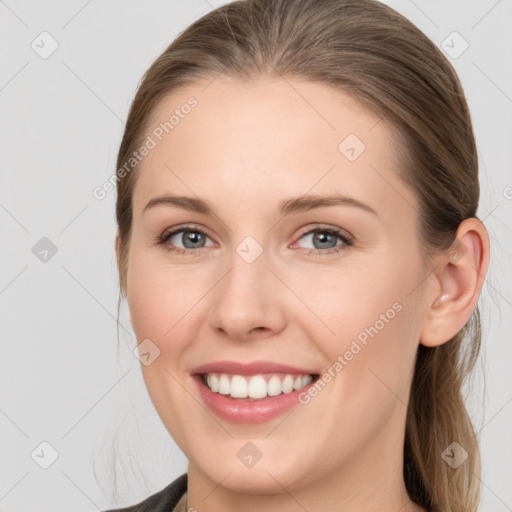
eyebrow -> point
(285, 207)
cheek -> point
(369, 327)
(146, 306)
(349, 300)
(161, 296)
(158, 299)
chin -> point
(255, 481)
(265, 477)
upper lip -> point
(237, 368)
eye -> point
(325, 240)
(191, 238)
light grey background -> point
(63, 381)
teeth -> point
(257, 387)
(288, 384)
(274, 386)
(239, 386)
(224, 387)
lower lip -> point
(243, 410)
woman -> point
(300, 252)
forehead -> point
(274, 137)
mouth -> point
(251, 398)
(251, 392)
(255, 387)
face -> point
(271, 268)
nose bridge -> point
(245, 284)
(246, 298)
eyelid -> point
(190, 226)
(319, 226)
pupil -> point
(191, 235)
(323, 237)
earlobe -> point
(457, 279)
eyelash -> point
(347, 240)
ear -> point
(457, 280)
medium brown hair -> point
(369, 50)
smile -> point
(256, 386)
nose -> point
(248, 300)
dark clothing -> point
(162, 501)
